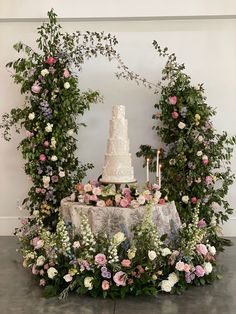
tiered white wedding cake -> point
(118, 165)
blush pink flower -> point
(126, 263)
(202, 249)
(42, 282)
(180, 266)
(38, 190)
(101, 203)
(124, 202)
(109, 202)
(201, 224)
(51, 60)
(100, 259)
(46, 266)
(35, 271)
(36, 88)
(86, 198)
(208, 180)
(28, 133)
(79, 187)
(42, 157)
(194, 200)
(46, 143)
(205, 161)
(199, 271)
(162, 201)
(41, 272)
(187, 268)
(93, 198)
(120, 278)
(173, 100)
(174, 114)
(37, 243)
(105, 285)
(126, 191)
(66, 73)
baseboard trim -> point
(8, 225)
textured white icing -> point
(118, 163)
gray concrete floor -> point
(20, 295)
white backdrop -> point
(207, 46)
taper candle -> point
(159, 178)
(147, 170)
(157, 166)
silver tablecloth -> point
(114, 219)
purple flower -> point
(103, 269)
(189, 277)
(51, 70)
(55, 179)
(199, 271)
(106, 274)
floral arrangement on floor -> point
(96, 194)
(113, 267)
(195, 158)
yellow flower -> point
(197, 116)
(72, 271)
(131, 253)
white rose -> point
(185, 199)
(52, 272)
(40, 260)
(61, 174)
(181, 125)
(67, 85)
(166, 286)
(70, 132)
(141, 199)
(166, 251)
(131, 253)
(212, 250)
(199, 153)
(88, 283)
(157, 195)
(44, 72)
(76, 245)
(88, 187)
(36, 212)
(101, 203)
(46, 181)
(173, 279)
(152, 255)
(204, 157)
(118, 238)
(200, 138)
(31, 116)
(49, 127)
(54, 158)
(208, 268)
(68, 278)
(97, 191)
(29, 256)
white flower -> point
(61, 174)
(53, 142)
(97, 191)
(166, 286)
(76, 245)
(46, 181)
(200, 138)
(72, 197)
(101, 203)
(70, 132)
(141, 199)
(207, 267)
(157, 196)
(166, 251)
(44, 72)
(68, 278)
(49, 127)
(88, 187)
(152, 255)
(54, 158)
(31, 116)
(36, 212)
(181, 125)
(67, 85)
(204, 157)
(52, 272)
(185, 199)
(131, 253)
(40, 260)
(173, 278)
(29, 256)
(212, 250)
(88, 283)
(118, 238)
(199, 153)
(215, 206)
(213, 221)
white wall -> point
(207, 46)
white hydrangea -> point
(40, 260)
(49, 127)
(118, 238)
(166, 251)
(166, 285)
(44, 72)
(199, 153)
(52, 272)
(88, 283)
(54, 158)
(173, 278)
(208, 268)
(211, 249)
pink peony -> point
(208, 180)
(93, 198)
(205, 161)
(124, 202)
(42, 157)
(174, 115)
(105, 285)
(100, 259)
(51, 60)
(126, 262)
(194, 200)
(46, 143)
(120, 278)
(173, 100)
(201, 224)
(199, 271)
(187, 268)
(36, 88)
(201, 249)
(180, 266)
(37, 243)
(66, 73)
(42, 282)
(126, 191)
(162, 201)
(35, 271)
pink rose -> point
(46, 266)
(37, 243)
(208, 180)
(41, 272)
(126, 191)
(173, 100)
(120, 278)
(42, 282)
(187, 268)
(124, 202)
(46, 143)
(100, 259)
(201, 224)
(134, 204)
(105, 285)
(51, 60)
(201, 249)
(42, 157)
(194, 200)
(66, 73)
(38, 190)
(126, 262)
(205, 161)
(35, 271)
(36, 88)
(199, 271)
(109, 202)
(93, 198)
(180, 266)
(162, 201)
(86, 198)
(174, 114)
